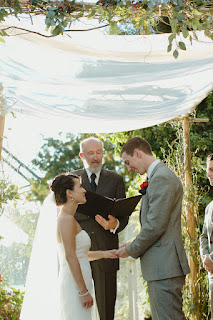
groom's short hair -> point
(136, 143)
(210, 157)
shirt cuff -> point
(115, 229)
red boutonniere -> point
(143, 187)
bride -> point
(59, 282)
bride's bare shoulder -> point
(66, 218)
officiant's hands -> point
(107, 224)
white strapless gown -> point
(70, 304)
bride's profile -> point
(59, 282)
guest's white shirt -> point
(89, 173)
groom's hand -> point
(121, 252)
(107, 224)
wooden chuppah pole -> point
(2, 122)
(190, 205)
(189, 209)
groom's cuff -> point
(115, 229)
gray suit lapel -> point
(144, 198)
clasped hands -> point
(207, 263)
(111, 223)
(117, 253)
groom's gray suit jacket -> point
(159, 243)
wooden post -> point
(132, 289)
(2, 121)
(190, 206)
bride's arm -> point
(67, 230)
(107, 254)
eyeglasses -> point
(98, 154)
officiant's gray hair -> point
(136, 143)
(83, 142)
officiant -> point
(103, 232)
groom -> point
(159, 244)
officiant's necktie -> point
(93, 184)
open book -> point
(98, 204)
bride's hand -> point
(110, 254)
(87, 301)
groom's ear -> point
(137, 153)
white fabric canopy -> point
(93, 82)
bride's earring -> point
(72, 199)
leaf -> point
(52, 8)
(57, 30)
(207, 33)
(110, 16)
(171, 37)
(175, 54)
(195, 36)
(48, 22)
(182, 45)
(150, 5)
(2, 40)
(100, 19)
(169, 48)
(51, 14)
(185, 32)
(196, 12)
(113, 26)
(180, 3)
(64, 23)
(181, 17)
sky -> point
(23, 137)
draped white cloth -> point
(93, 82)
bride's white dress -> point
(51, 293)
(70, 302)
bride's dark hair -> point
(60, 184)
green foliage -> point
(10, 303)
(57, 156)
(7, 192)
(144, 17)
(15, 257)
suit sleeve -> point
(204, 248)
(120, 193)
(164, 193)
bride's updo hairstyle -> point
(60, 184)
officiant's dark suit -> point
(104, 271)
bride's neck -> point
(69, 208)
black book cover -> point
(98, 204)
